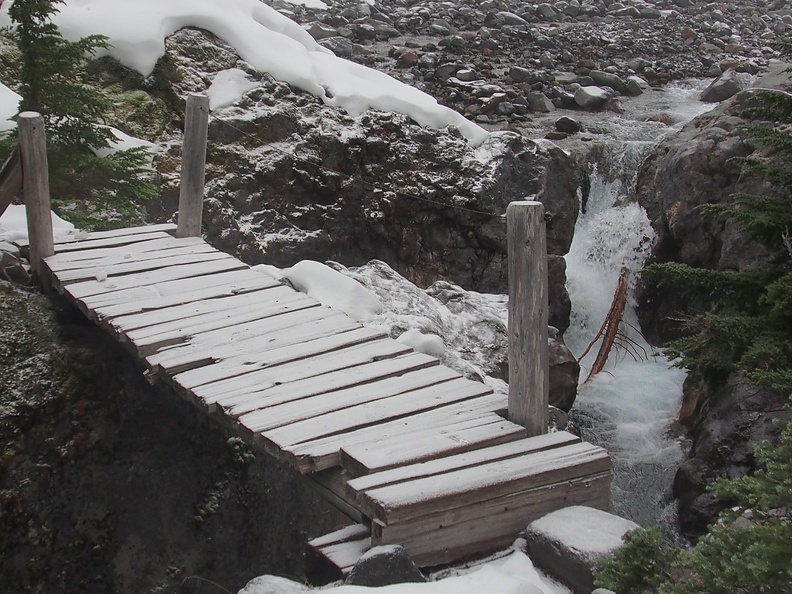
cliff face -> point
(108, 484)
(692, 168)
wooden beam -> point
(10, 179)
(191, 190)
(528, 316)
(35, 176)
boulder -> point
(567, 125)
(607, 79)
(538, 102)
(273, 584)
(725, 86)
(569, 542)
(591, 97)
(383, 566)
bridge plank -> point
(403, 501)
(377, 411)
(108, 241)
(262, 335)
(293, 411)
(323, 342)
(360, 485)
(91, 288)
(488, 430)
(77, 258)
(179, 330)
(148, 298)
(251, 399)
(323, 453)
(124, 261)
(85, 237)
(145, 263)
(167, 319)
(312, 366)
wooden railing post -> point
(35, 187)
(191, 191)
(528, 316)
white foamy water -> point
(628, 407)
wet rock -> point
(567, 125)
(564, 372)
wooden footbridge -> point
(410, 450)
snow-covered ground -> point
(264, 38)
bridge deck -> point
(415, 452)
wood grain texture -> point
(35, 185)
(193, 169)
(529, 385)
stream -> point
(629, 407)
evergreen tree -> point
(91, 191)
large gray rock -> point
(725, 86)
(591, 97)
(383, 566)
(569, 542)
(607, 79)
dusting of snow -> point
(227, 87)
(264, 38)
(590, 531)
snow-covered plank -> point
(308, 408)
(321, 454)
(64, 260)
(106, 242)
(402, 501)
(256, 306)
(324, 344)
(123, 262)
(141, 263)
(260, 336)
(514, 449)
(249, 400)
(325, 363)
(329, 558)
(138, 300)
(488, 430)
(376, 412)
(90, 288)
(167, 319)
(477, 529)
(87, 236)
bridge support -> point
(35, 185)
(191, 190)
(528, 316)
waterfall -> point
(630, 406)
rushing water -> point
(628, 407)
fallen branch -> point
(609, 331)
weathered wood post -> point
(528, 315)
(35, 186)
(191, 191)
